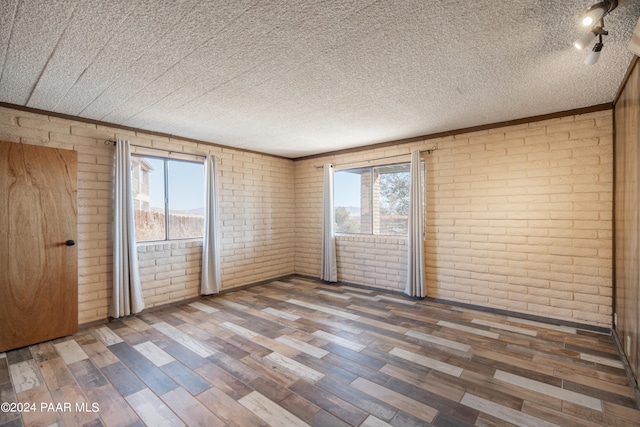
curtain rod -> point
(428, 151)
(114, 142)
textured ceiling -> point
(296, 77)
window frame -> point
(166, 198)
(371, 196)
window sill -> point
(167, 244)
(385, 238)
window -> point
(168, 198)
(372, 200)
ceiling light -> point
(593, 14)
(593, 17)
(594, 55)
(583, 41)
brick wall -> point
(257, 210)
(374, 260)
(169, 271)
(518, 218)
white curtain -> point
(210, 282)
(415, 273)
(329, 269)
(127, 297)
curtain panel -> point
(415, 270)
(211, 281)
(127, 296)
(329, 269)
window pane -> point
(391, 199)
(186, 199)
(148, 198)
(352, 201)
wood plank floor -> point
(298, 352)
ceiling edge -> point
(583, 110)
(133, 129)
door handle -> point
(70, 243)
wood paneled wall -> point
(627, 221)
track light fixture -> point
(593, 17)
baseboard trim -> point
(525, 316)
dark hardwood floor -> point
(298, 352)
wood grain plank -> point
(370, 404)
(55, 373)
(197, 346)
(114, 409)
(426, 381)
(302, 346)
(80, 412)
(43, 352)
(324, 309)
(122, 379)
(503, 412)
(294, 367)
(127, 354)
(228, 409)
(153, 353)
(329, 402)
(438, 340)
(274, 414)
(453, 409)
(39, 396)
(154, 378)
(25, 375)
(4, 371)
(153, 411)
(8, 395)
(351, 345)
(420, 410)
(87, 375)
(106, 336)
(188, 379)
(540, 387)
(99, 354)
(427, 362)
(224, 381)
(190, 410)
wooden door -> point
(38, 267)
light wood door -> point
(38, 267)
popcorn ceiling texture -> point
(295, 78)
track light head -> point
(583, 41)
(593, 17)
(594, 14)
(594, 55)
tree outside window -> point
(372, 200)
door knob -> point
(70, 243)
